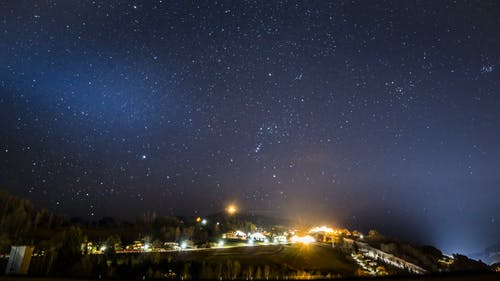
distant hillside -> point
(490, 255)
(427, 257)
(242, 218)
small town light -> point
(321, 229)
(303, 239)
(231, 209)
(183, 245)
(203, 221)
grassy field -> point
(257, 262)
(300, 258)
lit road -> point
(221, 250)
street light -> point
(231, 209)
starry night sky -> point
(363, 114)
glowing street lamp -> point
(231, 209)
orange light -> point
(231, 209)
(321, 229)
(303, 239)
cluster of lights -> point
(257, 236)
(202, 221)
(330, 231)
(303, 239)
(321, 229)
(279, 239)
(240, 233)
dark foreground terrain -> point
(489, 276)
(74, 250)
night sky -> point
(363, 114)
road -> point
(230, 246)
